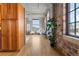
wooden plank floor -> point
(36, 45)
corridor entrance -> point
(37, 16)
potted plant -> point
(51, 31)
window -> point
(71, 23)
(71, 29)
(36, 25)
(73, 19)
(77, 22)
(71, 7)
(77, 5)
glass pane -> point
(71, 17)
(71, 29)
(77, 29)
(35, 21)
(77, 5)
(77, 14)
(71, 6)
(36, 26)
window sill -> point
(71, 39)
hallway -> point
(36, 45)
(24, 28)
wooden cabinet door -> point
(12, 35)
(9, 41)
(12, 16)
(9, 11)
(5, 34)
(4, 11)
(5, 27)
(12, 24)
(12, 11)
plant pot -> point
(52, 45)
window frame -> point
(68, 18)
(35, 24)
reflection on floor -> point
(36, 45)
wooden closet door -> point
(12, 16)
(5, 34)
(12, 11)
(12, 24)
(12, 35)
(4, 11)
(5, 27)
(9, 40)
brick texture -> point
(68, 48)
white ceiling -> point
(36, 10)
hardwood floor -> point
(36, 45)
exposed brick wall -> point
(70, 48)
(65, 46)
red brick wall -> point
(65, 46)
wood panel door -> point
(12, 27)
(12, 11)
(12, 35)
(4, 11)
(8, 17)
(9, 40)
(12, 17)
(5, 34)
